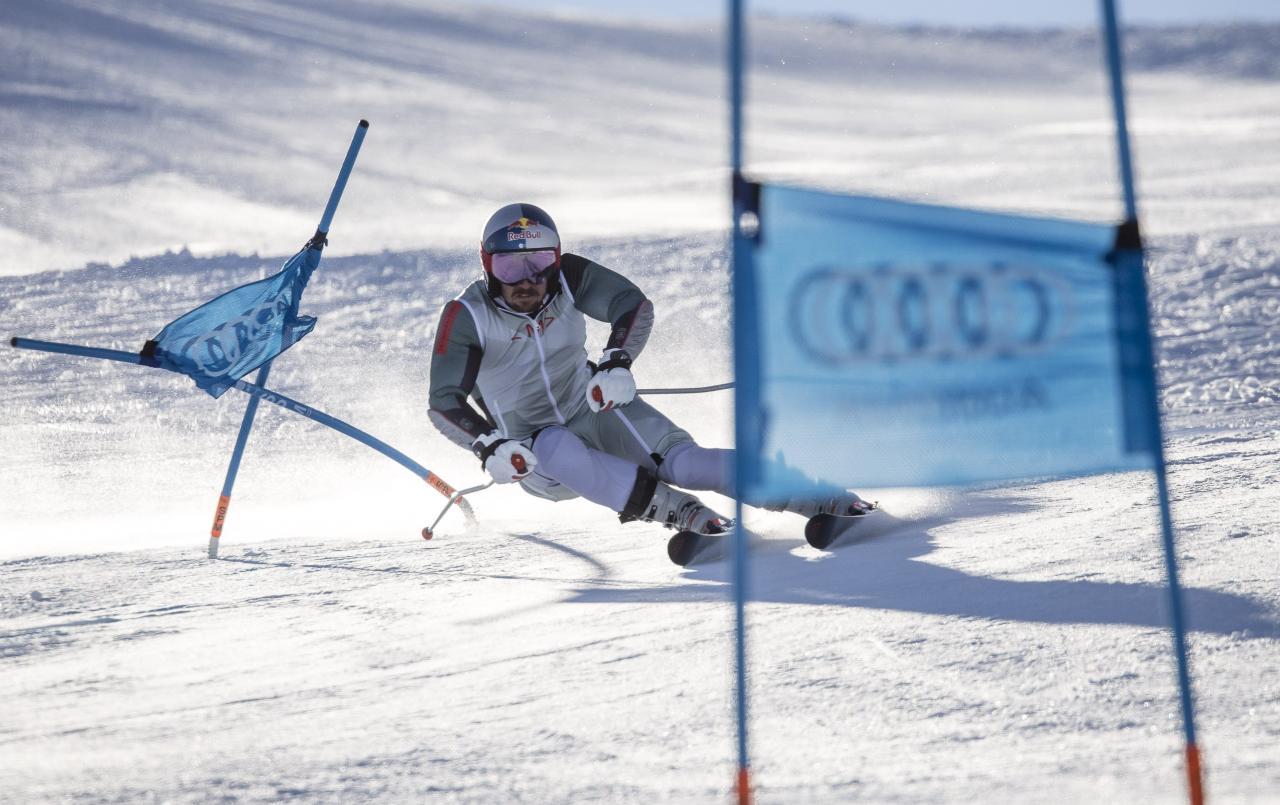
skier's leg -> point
(633, 491)
(596, 476)
(644, 435)
(692, 466)
(637, 432)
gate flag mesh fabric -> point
(903, 344)
(228, 337)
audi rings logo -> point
(938, 312)
(216, 351)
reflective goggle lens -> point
(513, 267)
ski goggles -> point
(512, 268)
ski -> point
(693, 548)
(822, 531)
(825, 531)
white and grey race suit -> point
(527, 375)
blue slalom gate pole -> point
(258, 392)
(745, 372)
(76, 349)
(233, 467)
(357, 139)
(288, 403)
(1115, 68)
(1115, 72)
(317, 242)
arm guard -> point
(455, 362)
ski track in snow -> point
(1004, 643)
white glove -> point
(612, 386)
(505, 459)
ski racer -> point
(514, 342)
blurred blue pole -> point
(1115, 68)
(743, 358)
(242, 438)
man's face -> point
(526, 295)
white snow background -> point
(999, 644)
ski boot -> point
(830, 519)
(699, 529)
(682, 511)
(843, 505)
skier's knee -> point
(557, 447)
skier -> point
(559, 425)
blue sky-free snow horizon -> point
(1005, 643)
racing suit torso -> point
(528, 371)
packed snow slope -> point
(1007, 643)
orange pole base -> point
(1195, 780)
(744, 787)
(220, 516)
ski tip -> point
(820, 531)
(681, 547)
(364, 124)
(13, 342)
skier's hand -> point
(612, 386)
(505, 459)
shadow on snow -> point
(883, 571)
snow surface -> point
(1004, 644)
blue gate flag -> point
(902, 344)
(226, 338)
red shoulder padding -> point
(446, 326)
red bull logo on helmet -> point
(517, 228)
(524, 229)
